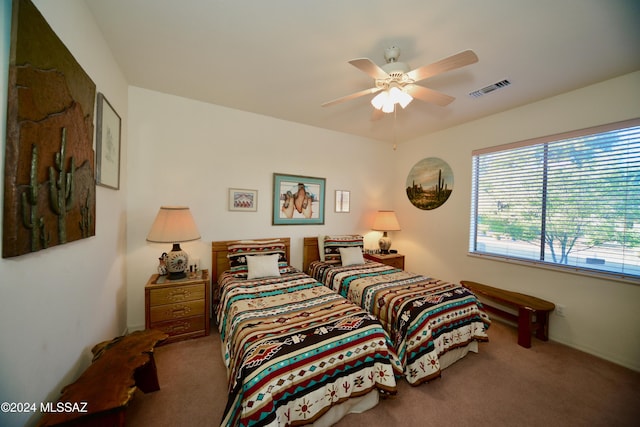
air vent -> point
(488, 89)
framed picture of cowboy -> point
(298, 200)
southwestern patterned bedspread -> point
(425, 317)
(294, 349)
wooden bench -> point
(101, 394)
(533, 313)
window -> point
(569, 201)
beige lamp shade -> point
(385, 221)
(174, 224)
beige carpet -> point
(504, 385)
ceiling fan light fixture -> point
(399, 96)
(380, 100)
(387, 99)
(388, 107)
(404, 98)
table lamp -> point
(385, 221)
(174, 224)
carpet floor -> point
(503, 385)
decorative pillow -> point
(240, 250)
(263, 266)
(351, 256)
(332, 245)
(257, 242)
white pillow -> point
(262, 266)
(351, 256)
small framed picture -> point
(107, 145)
(342, 201)
(243, 200)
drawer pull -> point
(180, 311)
(179, 294)
(179, 328)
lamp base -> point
(177, 261)
(384, 243)
(176, 276)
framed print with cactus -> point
(107, 145)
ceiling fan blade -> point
(447, 64)
(429, 95)
(352, 96)
(369, 67)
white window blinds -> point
(569, 201)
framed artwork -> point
(298, 200)
(107, 145)
(243, 200)
(49, 160)
(342, 201)
(429, 183)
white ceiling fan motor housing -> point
(396, 70)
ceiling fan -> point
(397, 85)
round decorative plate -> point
(429, 183)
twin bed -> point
(296, 352)
(432, 323)
(305, 351)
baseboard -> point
(133, 328)
(633, 365)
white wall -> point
(57, 303)
(185, 152)
(601, 316)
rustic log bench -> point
(533, 313)
(101, 394)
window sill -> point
(554, 267)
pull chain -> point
(395, 112)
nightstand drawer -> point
(177, 311)
(176, 294)
(393, 260)
(395, 263)
(181, 326)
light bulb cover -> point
(388, 107)
(387, 99)
(380, 99)
(404, 99)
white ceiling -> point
(284, 58)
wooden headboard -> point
(310, 252)
(220, 262)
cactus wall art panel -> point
(429, 183)
(49, 179)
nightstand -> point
(179, 308)
(393, 260)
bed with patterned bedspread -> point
(294, 349)
(426, 318)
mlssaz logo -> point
(51, 407)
